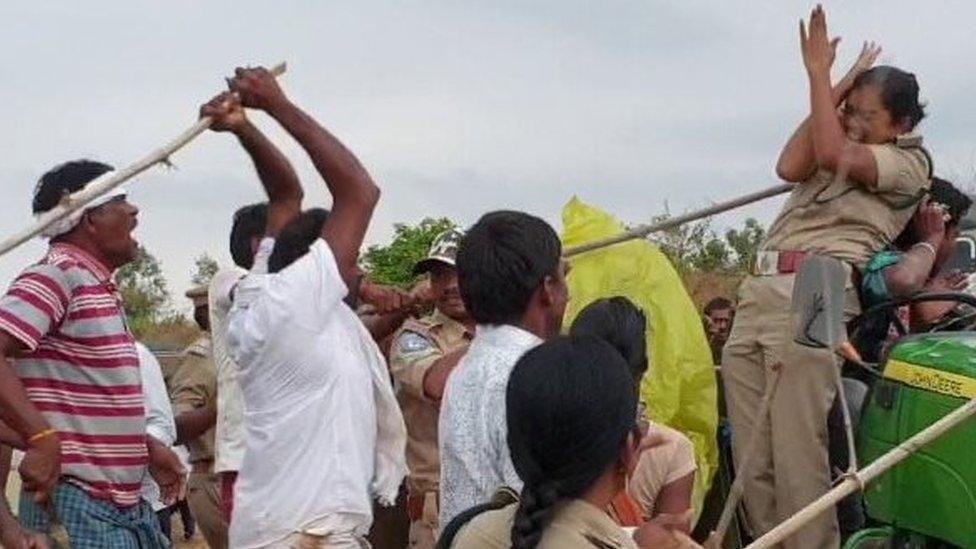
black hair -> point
(956, 201)
(899, 93)
(502, 261)
(717, 304)
(570, 405)
(249, 223)
(620, 323)
(942, 192)
(296, 237)
(63, 180)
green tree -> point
(206, 269)
(745, 243)
(393, 264)
(692, 246)
(713, 256)
(695, 247)
(145, 295)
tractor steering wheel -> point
(958, 297)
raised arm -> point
(798, 161)
(277, 176)
(833, 151)
(353, 192)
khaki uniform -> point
(416, 346)
(835, 218)
(574, 523)
(194, 385)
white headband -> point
(71, 221)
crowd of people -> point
(315, 397)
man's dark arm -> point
(435, 381)
(193, 423)
(353, 192)
(194, 405)
(277, 176)
(41, 466)
(16, 410)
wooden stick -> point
(111, 180)
(857, 481)
(644, 230)
(846, 415)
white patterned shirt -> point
(475, 460)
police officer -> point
(859, 174)
(194, 395)
(423, 353)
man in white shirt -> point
(513, 282)
(229, 431)
(323, 430)
(159, 424)
(281, 184)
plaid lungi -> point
(95, 524)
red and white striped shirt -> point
(81, 370)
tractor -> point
(929, 500)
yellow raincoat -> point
(679, 388)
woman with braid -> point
(574, 437)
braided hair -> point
(570, 404)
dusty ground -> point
(196, 542)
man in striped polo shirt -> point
(63, 324)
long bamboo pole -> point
(111, 180)
(862, 477)
(644, 230)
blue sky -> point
(456, 108)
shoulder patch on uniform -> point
(412, 342)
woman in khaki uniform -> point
(859, 174)
(574, 437)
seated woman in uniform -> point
(915, 262)
(665, 474)
(575, 437)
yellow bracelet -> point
(38, 436)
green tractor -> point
(929, 500)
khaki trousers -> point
(423, 532)
(790, 468)
(203, 497)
